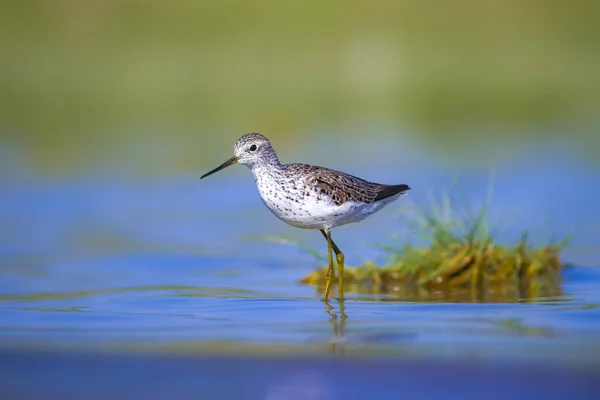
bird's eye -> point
(253, 147)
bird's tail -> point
(391, 190)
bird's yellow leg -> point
(340, 260)
(330, 270)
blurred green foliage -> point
(77, 76)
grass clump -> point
(460, 260)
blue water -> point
(99, 261)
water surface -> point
(176, 265)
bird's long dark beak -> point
(231, 161)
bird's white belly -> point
(319, 212)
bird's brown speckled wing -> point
(341, 187)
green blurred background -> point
(86, 82)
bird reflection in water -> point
(338, 323)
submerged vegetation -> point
(460, 260)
